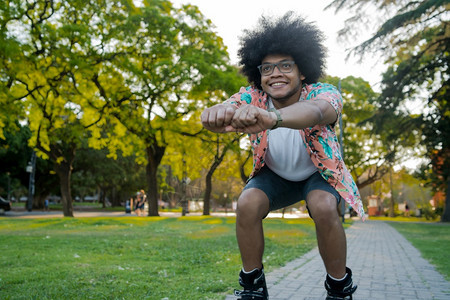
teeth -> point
(277, 84)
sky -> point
(231, 17)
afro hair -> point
(288, 35)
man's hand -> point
(247, 119)
(251, 119)
(218, 118)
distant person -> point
(46, 205)
(290, 118)
(128, 205)
(141, 198)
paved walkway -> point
(384, 264)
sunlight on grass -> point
(306, 221)
(195, 218)
(290, 237)
(213, 221)
(402, 219)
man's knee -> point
(322, 206)
(252, 203)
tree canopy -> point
(114, 72)
(413, 38)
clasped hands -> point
(228, 118)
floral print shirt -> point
(320, 141)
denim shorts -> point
(282, 192)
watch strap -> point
(279, 119)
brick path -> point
(384, 264)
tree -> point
(175, 62)
(200, 152)
(15, 155)
(213, 147)
(109, 71)
(117, 178)
(414, 41)
(219, 156)
(50, 55)
(364, 152)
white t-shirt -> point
(286, 154)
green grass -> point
(431, 239)
(134, 258)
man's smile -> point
(277, 84)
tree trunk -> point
(446, 215)
(155, 154)
(64, 171)
(392, 201)
(218, 158)
(103, 197)
(372, 176)
(207, 194)
(244, 176)
(115, 197)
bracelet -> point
(279, 119)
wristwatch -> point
(279, 119)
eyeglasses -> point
(285, 66)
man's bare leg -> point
(253, 206)
(331, 237)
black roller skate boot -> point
(340, 290)
(254, 284)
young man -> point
(290, 119)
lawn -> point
(134, 258)
(431, 239)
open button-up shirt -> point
(320, 140)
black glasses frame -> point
(276, 65)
